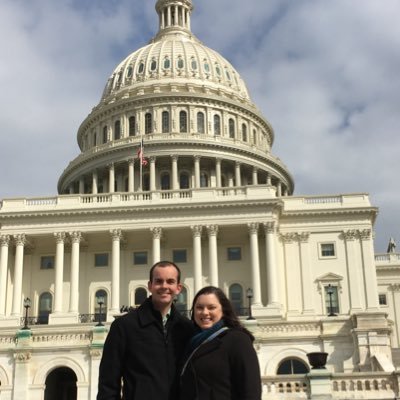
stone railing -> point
(387, 258)
(285, 387)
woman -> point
(220, 362)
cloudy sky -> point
(326, 74)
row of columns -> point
(116, 236)
(234, 179)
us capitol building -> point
(176, 163)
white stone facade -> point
(213, 198)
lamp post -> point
(249, 295)
(27, 305)
(100, 302)
(330, 293)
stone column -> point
(197, 264)
(306, 274)
(157, 233)
(94, 182)
(111, 178)
(293, 276)
(81, 185)
(22, 359)
(212, 231)
(255, 176)
(279, 189)
(131, 174)
(269, 183)
(20, 241)
(353, 271)
(196, 172)
(174, 173)
(59, 272)
(116, 236)
(368, 260)
(76, 238)
(218, 172)
(255, 264)
(152, 174)
(238, 180)
(4, 243)
(273, 301)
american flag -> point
(140, 154)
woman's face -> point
(207, 310)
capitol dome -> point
(189, 108)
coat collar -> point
(148, 315)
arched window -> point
(165, 122)
(153, 65)
(45, 307)
(244, 132)
(184, 180)
(236, 297)
(100, 297)
(200, 122)
(179, 63)
(140, 296)
(167, 63)
(117, 130)
(141, 68)
(183, 122)
(129, 72)
(148, 125)
(203, 179)
(231, 128)
(165, 181)
(105, 134)
(292, 366)
(132, 126)
(254, 136)
(61, 384)
(217, 124)
(181, 302)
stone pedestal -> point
(320, 384)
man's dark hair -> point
(164, 264)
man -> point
(143, 347)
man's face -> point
(164, 286)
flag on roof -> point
(140, 154)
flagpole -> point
(141, 163)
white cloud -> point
(325, 74)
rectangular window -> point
(140, 258)
(327, 249)
(47, 262)
(382, 300)
(331, 300)
(234, 253)
(101, 260)
(179, 256)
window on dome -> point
(206, 67)
(129, 72)
(148, 123)
(167, 63)
(292, 366)
(183, 127)
(165, 181)
(117, 130)
(105, 134)
(231, 128)
(203, 180)
(179, 63)
(153, 65)
(141, 68)
(165, 122)
(184, 180)
(94, 139)
(194, 64)
(254, 136)
(217, 125)
(228, 75)
(200, 122)
(244, 132)
(218, 69)
(132, 126)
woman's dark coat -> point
(139, 350)
(226, 368)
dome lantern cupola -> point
(174, 15)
